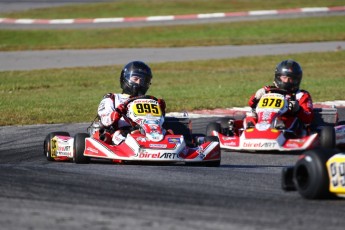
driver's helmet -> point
(135, 70)
(291, 69)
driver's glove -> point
(294, 106)
(121, 109)
(115, 117)
(257, 97)
(162, 104)
(259, 94)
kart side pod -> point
(317, 174)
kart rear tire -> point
(224, 122)
(211, 138)
(213, 126)
(180, 127)
(47, 143)
(310, 174)
(78, 149)
(327, 137)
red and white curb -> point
(172, 17)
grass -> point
(72, 95)
(141, 8)
(239, 33)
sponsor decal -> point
(92, 150)
(62, 153)
(259, 145)
(174, 140)
(340, 129)
(141, 139)
(149, 155)
(225, 138)
(158, 146)
(169, 155)
(292, 145)
(201, 151)
(146, 155)
(63, 148)
(340, 136)
(232, 143)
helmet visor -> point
(138, 77)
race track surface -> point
(244, 193)
(29, 60)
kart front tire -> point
(213, 126)
(310, 174)
(47, 144)
(78, 149)
(327, 137)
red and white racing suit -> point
(106, 110)
(305, 114)
(110, 118)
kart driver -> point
(135, 80)
(288, 76)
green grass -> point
(239, 33)
(72, 95)
(141, 8)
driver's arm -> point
(107, 113)
(306, 113)
(162, 104)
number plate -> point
(146, 107)
(271, 101)
(336, 172)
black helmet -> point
(291, 69)
(138, 69)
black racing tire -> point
(224, 122)
(327, 137)
(310, 174)
(211, 138)
(78, 149)
(180, 127)
(47, 143)
(287, 183)
(213, 126)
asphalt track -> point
(244, 193)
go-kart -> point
(146, 140)
(317, 174)
(270, 132)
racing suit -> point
(106, 110)
(112, 120)
(304, 113)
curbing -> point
(172, 17)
